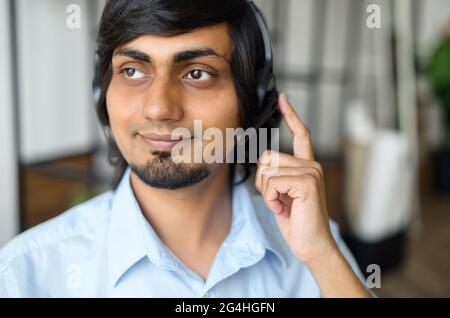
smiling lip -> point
(162, 142)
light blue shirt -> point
(106, 248)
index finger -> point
(301, 139)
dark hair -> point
(125, 20)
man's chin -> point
(162, 173)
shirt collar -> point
(131, 238)
(253, 224)
(125, 244)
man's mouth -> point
(160, 142)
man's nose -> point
(163, 101)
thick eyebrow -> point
(134, 54)
(178, 57)
(195, 53)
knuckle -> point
(304, 132)
(266, 153)
(270, 181)
(318, 169)
(264, 158)
(310, 181)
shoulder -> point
(75, 229)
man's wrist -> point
(329, 257)
(334, 275)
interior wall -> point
(55, 66)
(9, 212)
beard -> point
(163, 173)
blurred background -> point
(371, 79)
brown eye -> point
(133, 73)
(130, 72)
(198, 75)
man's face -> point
(162, 83)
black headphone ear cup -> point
(269, 103)
(266, 91)
(269, 110)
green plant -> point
(80, 195)
(438, 72)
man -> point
(188, 229)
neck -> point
(190, 218)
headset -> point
(266, 89)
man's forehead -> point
(162, 47)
